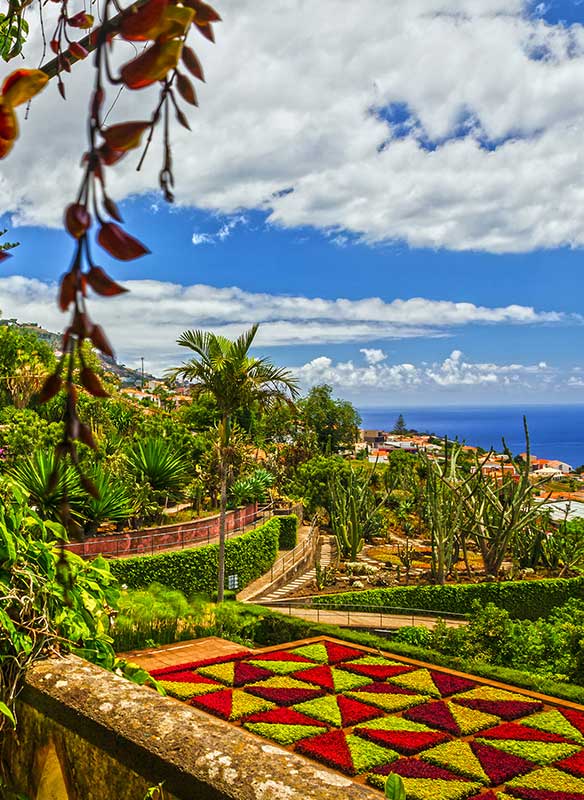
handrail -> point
(292, 557)
(352, 608)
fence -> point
(171, 537)
(367, 616)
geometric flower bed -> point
(449, 737)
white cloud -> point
(288, 104)
(223, 233)
(148, 320)
(453, 373)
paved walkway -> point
(360, 619)
(171, 655)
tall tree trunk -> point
(224, 438)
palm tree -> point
(224, 370)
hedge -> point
(288, 532)
(522, 599)
(273, 628)
(194, 571)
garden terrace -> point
(366, 714)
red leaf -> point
(120, 244)
(110, 156)
(4, 255)
(100, 340)
(89, 486)
(204, 13)
(92, 383)
(51, 387)
(152, 65)
(207, 31)
(81, 20)
(8, 123)
(55, 46)
(186, 90)
(77, 220)
(112, 209)
(67, 291)
(23, 84)
(78, 51)
(86, 436)
(125, 136)
(192, 63)
(103, 284)
(143, 24)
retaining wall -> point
(87, 734)
(163, 537)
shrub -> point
(522, 599)
(288, 532)
(194, 571)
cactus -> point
(351, 508)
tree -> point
(335, 423)
(224, 370)
(25, 361)
(400, 426)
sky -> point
(394, 191)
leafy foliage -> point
(50, 484)
(155, 461)
(288, 532)
(252, 489)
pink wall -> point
(165, 537)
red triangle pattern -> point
(575, 718)
(320, 675)
(382, 688)
(498, 765)
(573, 764)
(246, 673)
(542, 794)
(281, 655)
(436, 715)
(414, 768)
(450, 684)
(352, 711)
(506, 709)
(339, 652)
(163, 672)
(378, 672)
(284, 697)
(285, 716)
(406, 742)
(331, 748)
(218, 703)
(511, 730)
(185, 676)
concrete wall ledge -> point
(161, 739)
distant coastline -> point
(556, 431)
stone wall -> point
(164, 537)
(86, 734)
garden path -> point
(171, 655)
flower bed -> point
(361, 712)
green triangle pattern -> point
(458, 758)
(281, 667)
(387, 701)
(220, 672)
(394, 724)
(419, 681)
(551, 780)
(541, 753)
(283, 734)
(434, 789)
(316, 652)
(554, 722)
(345, 681)
(469, 720)
(324, 708)
(183, 691)
(366, 755)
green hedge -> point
(195, 571)
(522, 599)
(273, 628)
(288, 532)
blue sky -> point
(314, 212)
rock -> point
(358, 585)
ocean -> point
(556, 432)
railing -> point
(385, 617)
(283, 564)
(170, 537)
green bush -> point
(195, 571)
(288, 532)
(522, 599)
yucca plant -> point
(35, 475)
(155, 461)
(252, 489)
(114, 503)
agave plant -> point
(252, 489)
(114, 503)
(35, 475)
(155, 461)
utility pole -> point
(142, 360)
